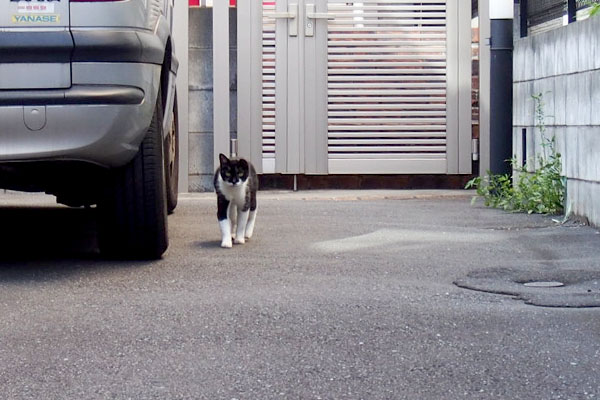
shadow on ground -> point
(41, 233)
(45, 243)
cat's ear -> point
(223, 159)
(243, 163)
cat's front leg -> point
(232, 216)
(242, 220)
(250, 225)
(225, 233)
(224, 222)
(252, 216)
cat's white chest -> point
(235, 194)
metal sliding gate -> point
(355, 87)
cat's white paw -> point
(240, 240)
(226, 244)
(250, 225)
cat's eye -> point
(227, 173)
(241, 173)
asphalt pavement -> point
(339, 295)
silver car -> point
(88, 112)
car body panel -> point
(84, 87)
(118, 14)
(35, 76)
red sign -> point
(196, 3)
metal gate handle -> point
(309, 26)
(291, 14)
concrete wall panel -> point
(595, 97)
(595, 40)
(546, 88)
(580, 198)
(560, 52)
(523, 106)
(529, 61)
(560, 100)
(519, 62)
(587, 47)
(200, 111)
(201, 149)
(544, 49)
(570, 156)
(572, 110)
(202, 72)
(201, 117)
(584, 98)
(572, 47)
(567, 72)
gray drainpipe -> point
(501, 84)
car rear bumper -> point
(101, 119)
(103, 134)
(77, 94)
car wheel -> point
(171, 151)
(133, 213)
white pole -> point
(502, 9)
(180, 35)
(220, 79)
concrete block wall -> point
(201, 133)
(564, 66)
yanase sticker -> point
(36, 19)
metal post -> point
(523, 18)
(523, 147)
(220, 79)
(501, 72)
(233, 148)
(572, 10)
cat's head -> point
(233, 172)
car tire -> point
(171, 152)
(133, 212)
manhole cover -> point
(544, 284)
(540, 287)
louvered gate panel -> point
(356, 87)
(387, 81)
(268, 88)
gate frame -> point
(249, 95)
(249, 89)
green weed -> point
(594, 7)
(541, 191)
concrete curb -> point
(22, 198)
(346, 195)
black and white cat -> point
(236, 184)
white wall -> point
(563, 65)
